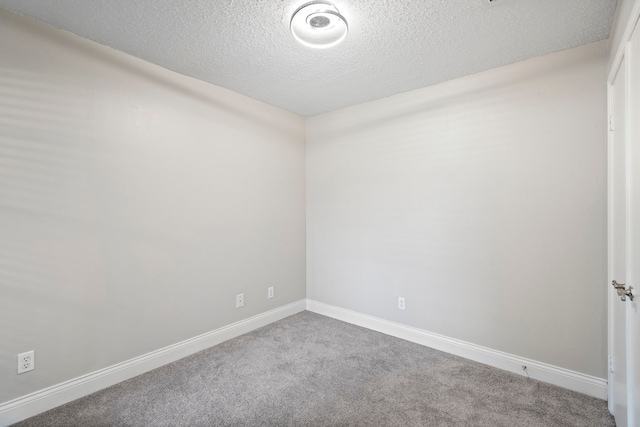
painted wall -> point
(134, 204)
(482, 201)
(620, 20)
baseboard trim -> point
(565, 378)
(43, 400)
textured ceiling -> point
(393, 46)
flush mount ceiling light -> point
(318, 24)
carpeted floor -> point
(310, 370)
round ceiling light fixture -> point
(318, 24)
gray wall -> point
(134, 204)
(482, 201)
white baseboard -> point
(565, 378)
(43, 400)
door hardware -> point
(617, 285)
(626, 293)
(623, 293)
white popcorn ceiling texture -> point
(393, 46)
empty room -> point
(319, 213)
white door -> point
(617, 247)
(633, 224)
(624, 238)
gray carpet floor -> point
(311, 370)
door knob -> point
(623, 293)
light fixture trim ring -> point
(318, 36)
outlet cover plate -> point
(26, 361)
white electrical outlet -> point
(270, 292)
(26, 361)
(239, 300)
(401, 303)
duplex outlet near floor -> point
(26, 361)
